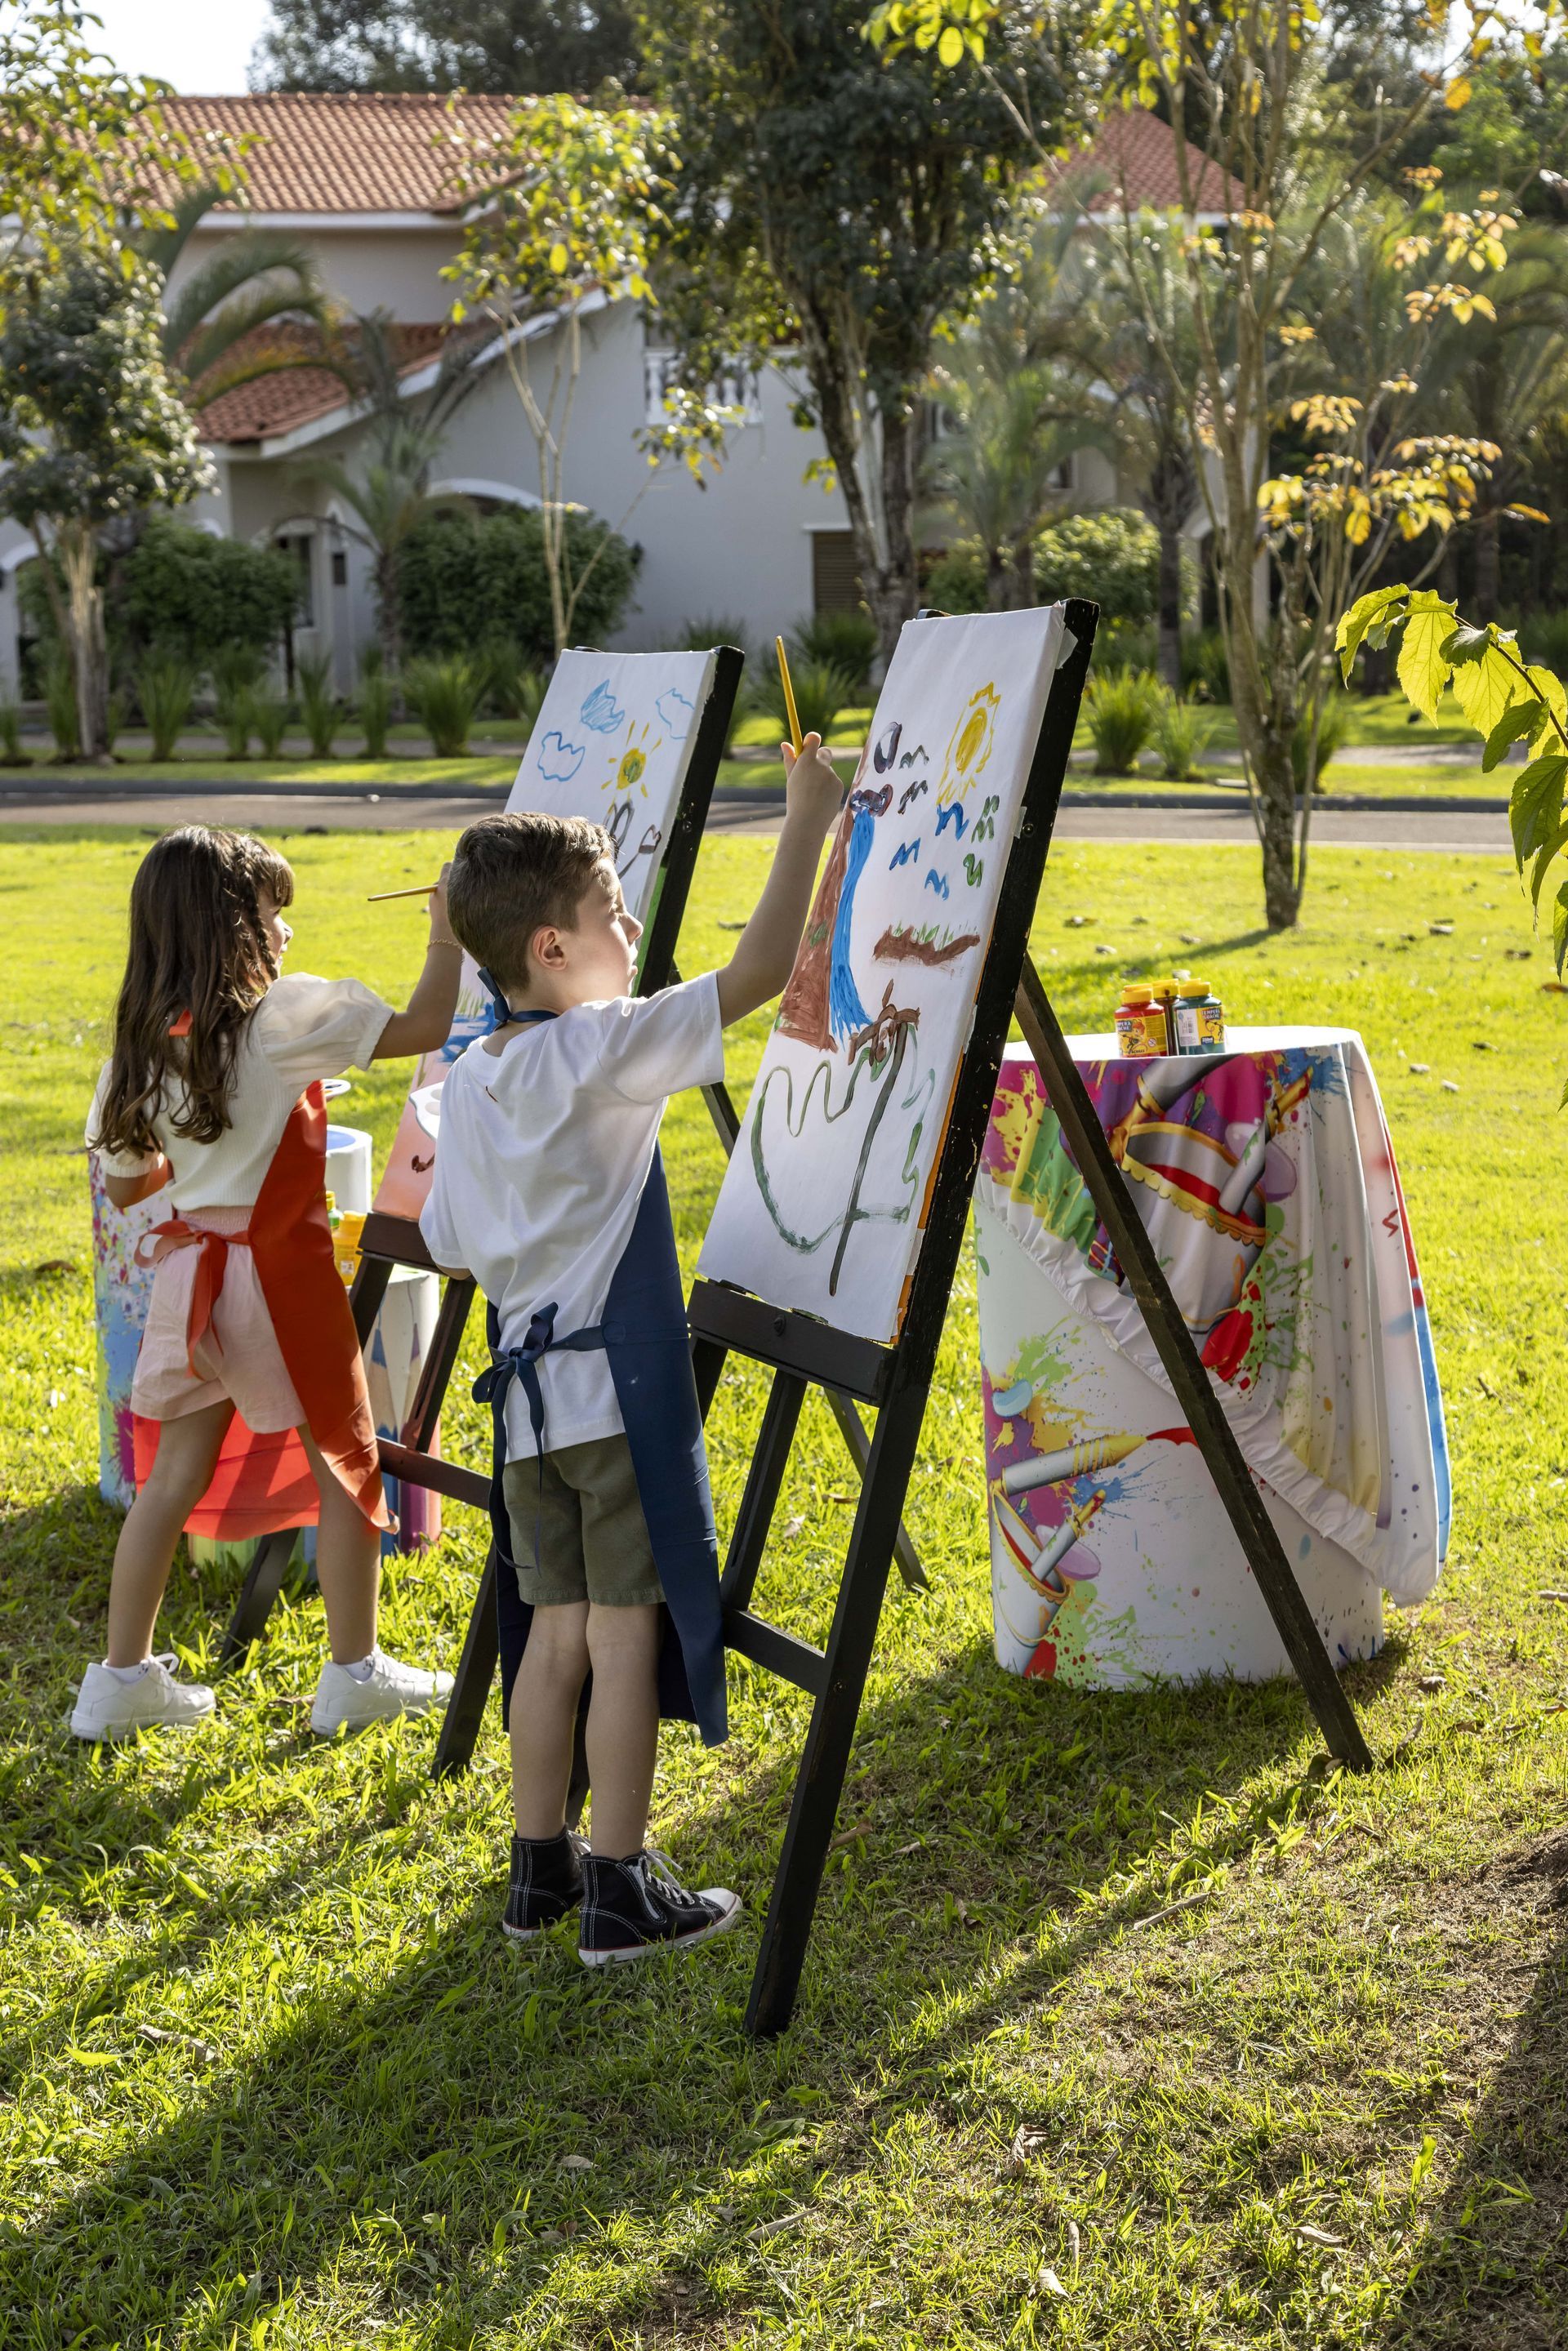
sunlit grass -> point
(271, 2078)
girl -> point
(214, 1093)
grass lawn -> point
(272, 2078)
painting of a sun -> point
(970, 745)
(627, 774)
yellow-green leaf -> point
(1485, 689)
(1519, 718)
(1423, 672)
(1535, 806)
(950, 48)
(559, 258)
(1546, 857)
(1457, 95)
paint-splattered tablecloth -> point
(1267, 1180)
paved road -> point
(154, 807)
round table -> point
(1266, 1176)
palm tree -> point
(1504, 379)
(1016, 408)
(257, 278)
(390, 493)
(1138, 267)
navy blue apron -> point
(644, 1336)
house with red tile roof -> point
(365, 183)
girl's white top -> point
(302, 1030)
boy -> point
(549, 1189)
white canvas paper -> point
(824, 1198)
(612, 742)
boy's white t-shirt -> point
(302, 1030)
(540, 1167)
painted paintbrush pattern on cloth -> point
(612, 742)
(1266, 1179)
(823, 1199)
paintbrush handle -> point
(795, 736)
(420, 890)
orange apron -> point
(263, 1483)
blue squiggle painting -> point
(676, 711)
(601, 711)
(559, 760)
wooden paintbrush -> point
(420, 890)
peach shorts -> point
(239, 1358)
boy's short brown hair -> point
(510, 875)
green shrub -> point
(1180, 733)
(236, 716)
(184, 591)
(375, 707)
(11, 752)
(1332, 728)
(60, 702)
(956, 581)
(444, 695)
(270, 715)
(465, 581)
(821, 690)
(847, 640)
(1122, 706)
(1126, 645)
(317, 701)
(1112, 556)
(1205, 666)
(710, 629)
(166, 687)
(512, 686)
(114, 718)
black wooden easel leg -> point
(1135, 1252)
(847, 1658)
(263, 1583)
(471, 1683)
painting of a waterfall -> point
(824, 1198)
(612, 742)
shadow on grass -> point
(408, 2122)
(1493, 2266)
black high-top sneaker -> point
(637, 1905)
(546, 1882)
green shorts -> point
(592, 1537)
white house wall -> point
(396, 270)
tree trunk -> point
(89, 644)
(388, 612)
(886, 568)
(995, 580)
(1170, 606)
(1487, 553)
(1020, 578)
(1274, 773)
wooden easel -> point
(896, 1379)
(388, 1241)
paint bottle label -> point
(1141, 1031)
(1211, 1025)
(1189, 1028)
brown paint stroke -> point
(903, 946)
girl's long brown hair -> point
(198, 945)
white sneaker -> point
(108, 1707)
(389, 1689)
